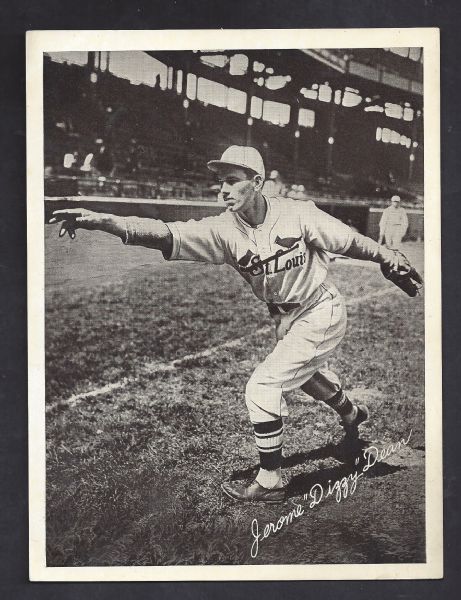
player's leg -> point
(309, 338)
(398, 239)
(395, 238)
(325, 386)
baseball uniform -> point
(285, 262)
(393, 225)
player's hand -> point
(398, 270)
(75, 218)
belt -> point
(282, 309)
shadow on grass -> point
(350, 455)
(302, 484)
(342, 452)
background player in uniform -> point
(280, 247)
(393, 224)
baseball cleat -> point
(253, 492)
(352, 429)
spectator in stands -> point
(103, 159)
(69, 160)
(393, 224)
(86, 167)
(132, 159)
(300, 193)
(274, 185)
(293, 192)
(285, 190)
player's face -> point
(238, 189)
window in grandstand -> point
(325, 92)
(256, 109)
(139, 67)
(277, 82)
(408, 114)
(351, 97)
(374, 108)
(238, 64)
(312, 93)
(393, 110)
(214, 60)
(211, 92)
(191, 89)
(395, 137)
(306, 117)
(386, 135)
(236, 101)
(104, 60)
(276, 112)
(169, 80)
(414, 54)
(405, 141)
(179, 75)
(399, 51)
(72, 58)
(390, 136)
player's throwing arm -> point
(145, 232)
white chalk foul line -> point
(174, 364)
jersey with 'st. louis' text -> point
(284, 259)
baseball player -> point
(393, 224)
(279, 246)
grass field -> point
(146, 364)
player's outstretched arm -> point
(72, 219)
(150, 233)
(394, 265)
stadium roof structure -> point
(377, 73)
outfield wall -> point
(183, 210)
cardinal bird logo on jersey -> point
(287, 242)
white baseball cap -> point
(395, 199)
(240, 156)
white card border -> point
(39, 42)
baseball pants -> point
(393, 238)
(306, 338)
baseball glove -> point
(402, 274)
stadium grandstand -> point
(343, 127)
